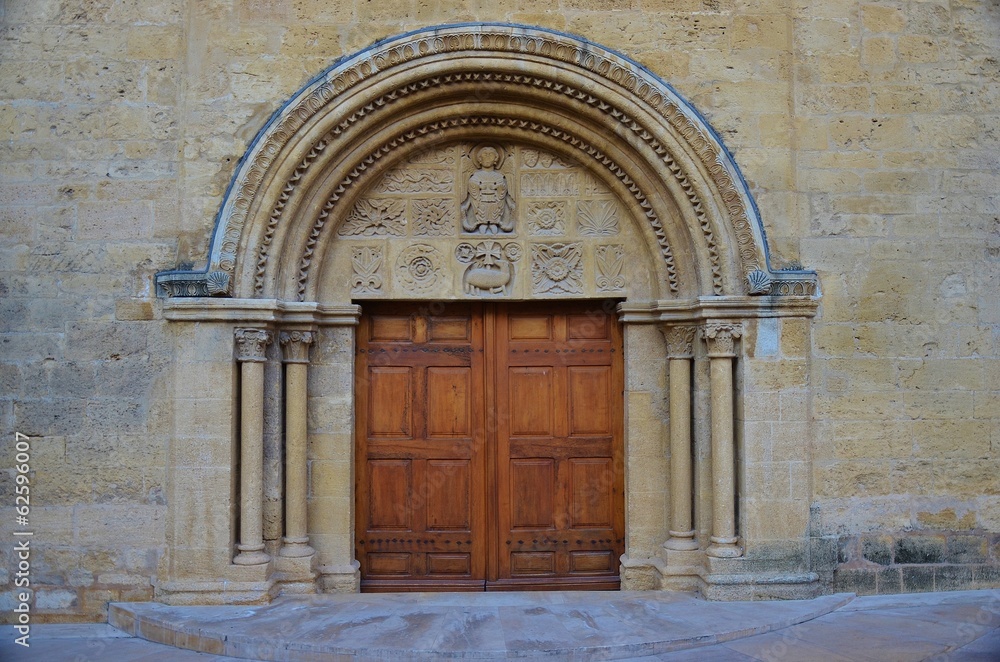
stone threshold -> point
(568, 625)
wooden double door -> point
(489, 447)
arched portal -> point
(481, 163)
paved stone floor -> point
(675, 627)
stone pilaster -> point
(295, 347)
(721, 339)
(679, 354)
(250, 352)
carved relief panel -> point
(488, 220)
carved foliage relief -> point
(488, 219)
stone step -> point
(569, 625)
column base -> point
(724, 548)
(296, 547)
(682, 541)
(251, 555)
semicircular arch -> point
(515, 83)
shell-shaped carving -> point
(217, 282)
(758, 282)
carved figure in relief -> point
(491, 270)
(488, 208)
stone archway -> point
(310, 227)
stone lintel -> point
(704, 309)
(260, 311)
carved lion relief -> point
(454, 222)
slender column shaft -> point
(250, 345)
(680, 352)
(296, 356)
(720, 339)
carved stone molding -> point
(720, 338)
(295, 345)
(251, 345)
(618, 76)
(680, 340)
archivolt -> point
(701, 167)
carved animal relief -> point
(491, 268)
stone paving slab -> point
(938, 627)
(557, 625)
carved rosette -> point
(418, 268)
(295, 345)
(720, 338)
(680, 341)
(251, 345)
(557, 268)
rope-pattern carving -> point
(357, 172)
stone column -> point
(720, 337)
(679, 354)
(295, 348)
(250, 352)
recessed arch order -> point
(476, 82)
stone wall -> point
(869, 134)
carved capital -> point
(720, 337)
(251, 345)
(295, 345)
(679, 341)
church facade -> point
(606, 297)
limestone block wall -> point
(869, 135)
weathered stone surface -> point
(866, 131)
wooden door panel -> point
(449, 402)
(489, 447)
(559, 428)
(534, 481)
(531, 401)
(391, 486)
(449, 498)
(390, 401)
(590, 502)
(421, 448)
(590, 400)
